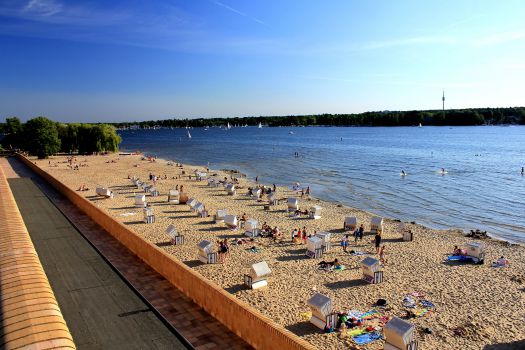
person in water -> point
(522, 170)
(403, 173)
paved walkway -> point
(195, 325)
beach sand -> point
(487, 302)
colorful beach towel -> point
(422, 312)
(356, 331)
(427, 304)
(371, 315)
(458, 258)
(366, 338)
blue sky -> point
(140, 60)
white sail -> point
(260, 125)
(189, 135)
(228, 126)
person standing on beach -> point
(344, 243)
(356, 235)
(377, 240)
(382, 255)
(361, 232)
(257, 179)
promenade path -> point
(109, 298)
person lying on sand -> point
(501, 262)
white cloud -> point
(43, 7)
(500, 38)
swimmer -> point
(403, 173)
(522, 170)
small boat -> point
(260, 126)
(420, 125)
(290, 132)
(189, 135)
(228, 127)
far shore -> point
(485, 303)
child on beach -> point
(344, 243)
(382, 255)
(377, 241)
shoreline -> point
(491, 236)
(422, 258)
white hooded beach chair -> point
(140, 201)
(321, 307)
(220, 215)
(372, 272)
(192, 202)
(138, 184)
(315, 212)
(325, 238)
(176, 238)
(272, 199)
(406, 235)
(476, 251)
(174, 196)
(376, 224)
(212, 182)
(399, 335)
(314, 247)
(293, 204)
(104, 192)
(231, 221)
(199, 175)
(206, 253)
(230, 189)
(200, 210)
(257, 278)
(153, 191)
(350, 223)
(250, 228)
(149, 217)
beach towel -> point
(422, 312)
(409, 302)
(127, 214)
(458, 258)
(306, 315)
(371, 315)
(356, 332)
(417, 294)
(253, 250)
(427, 304)
(366, 338)
(357, 253)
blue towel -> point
(458, 258)
(366, 338)
(427, 304)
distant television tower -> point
(443, 99)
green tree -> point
(41, 137)
(13, 129)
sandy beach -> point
(475, 305)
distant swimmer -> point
(403, 173)
(522, 171)
(443, 171)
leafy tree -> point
(13, 129)
(41, 137)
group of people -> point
(358, 234)
(223, 249)
(299, 236)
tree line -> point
(43, 137)
(453, 117)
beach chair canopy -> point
(259, 270)
(102, 191)
(399, 333)
(140, 198)
(221, 214)
(172, 231)
(314, 243)
(251, 225)
(205, 247)
(199, 207)
(147, 212)
(256, 192)
(293, 202)
(174, 193)
(475, 249)
(316, 210)
(152, 188)
(350, 220)
(324, 236)
(321, 305)
(200, 174)
(370, 265)
(376, 221)
(272, 196)
(192, 202)
(230, 187)
(230, 220)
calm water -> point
(361, 167)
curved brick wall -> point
(258, 330)
(29, 312)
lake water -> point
(360, 167)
